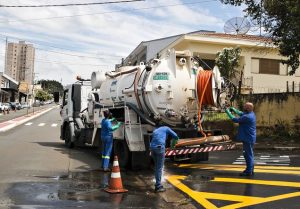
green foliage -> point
(216, 116)
(282, 130)
(51, 86)
(281, 20)
(228, 60)
(42, 95)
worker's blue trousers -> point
(249, 156)
(107, 143)
(158, 154)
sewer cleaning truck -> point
(172, 91)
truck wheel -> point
(122, 151)
(67, 137)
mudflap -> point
(142, 160)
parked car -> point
(12, 105)
(2, 107)
(15, 105)
(19, 106)
(36, 104)
(25, 105)
(5, 106)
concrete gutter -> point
(7, 125)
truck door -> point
(64, 108)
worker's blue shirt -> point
(106, 128)
(159, 136)
(247, 127)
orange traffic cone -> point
(115, 182)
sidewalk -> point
(14, 119)
(12, 114)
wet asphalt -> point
(37, 171)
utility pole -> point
(33, 97)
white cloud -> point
(116, 33)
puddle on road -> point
(86, 188)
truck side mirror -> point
(56, 97)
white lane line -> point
(28, 124)
(41, 124)
(284, 156)
(261, 163)
(54, 125)
(265, 156)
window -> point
(65, 99)
(269, 66)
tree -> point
(42, 95)
(228, 60)
(281, 21)
(51, 86)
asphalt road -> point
(37, 171)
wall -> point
(273, 109)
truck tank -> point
(167, 90)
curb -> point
(272, 147)
(14, 122)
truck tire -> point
(68, 136)
(122, 151)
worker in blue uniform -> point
(246, 134)
(107, 138)
(157, 147)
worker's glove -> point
(236, 111)
(115, 127)
(229, 114)
(174, 142)
(112, 119)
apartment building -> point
(19, 62)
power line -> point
(109, 12)
(68, 54)
(81, 56)
(55, 62)
(68, 5)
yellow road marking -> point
(241, 166)
(243, 201)
(260, 182)
(258, 169)
(261, 200)
(193, 194)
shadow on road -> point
(89, 157)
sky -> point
(79, 40)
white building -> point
(261, 67)
(8, 88)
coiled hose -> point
(204, 93)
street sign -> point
(23, 87)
